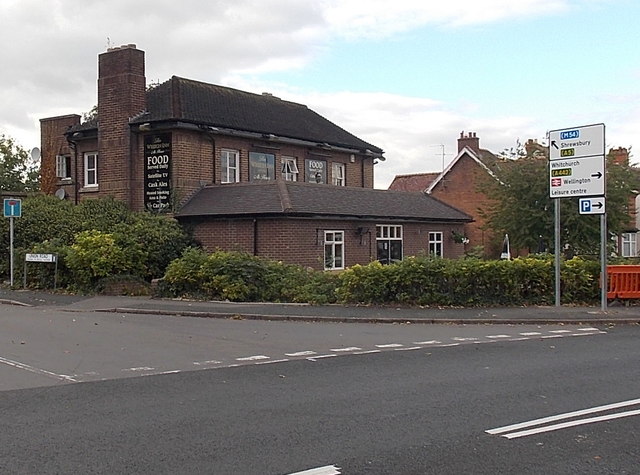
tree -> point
(18, 172)
(523, 209)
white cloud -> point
(49, 59)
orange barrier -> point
(623, 282)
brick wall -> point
(53, 143)
(459, 189)
(301, 241)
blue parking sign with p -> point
(585, 206)
(12, 208)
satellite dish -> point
(35, 153)
(60, 193)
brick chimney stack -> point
(619, 155)
(121, 95)
(469, 140)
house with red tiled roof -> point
(247, 172)
(459, 186)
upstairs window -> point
(289, 169)
(629, 246)
(91, 169)
(261, 166)
(63, 166)
(230, 166)
(338, 174)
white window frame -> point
(338, 172)
(91, 169)
(436, 243)
(63, 168)
(333, 247)
(389, 233)
(289, 169)
(230, 172)
(629, 244)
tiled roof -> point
(304, 199)
(413, 182)
(223, 107)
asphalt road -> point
(418, 411)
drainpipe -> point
(255, 237)
(74, 146)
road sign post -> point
(577, 170)
(12, 209)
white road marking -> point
(544, 337)
(530, 333)
(33, 369)
(588, 329)
(566, 415)
(408, 348)
(564, 425)
(498, 336)
(139, 368)
(319, 357)
(559, 331)
(207, 362)
(349, 348)
(301, 353)
(253, 358)
(390, 345)
(326, 470)
(430, 342)
(367, 352)
(273, 361)
(459, 338)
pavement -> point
(615, 313)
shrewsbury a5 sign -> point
(576, 166)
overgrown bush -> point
(238, 276)
(50, 225)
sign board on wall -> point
(316, 171)
(157, 172)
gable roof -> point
(413, 182)
(186, 100)
(485, 160)
(295, 199)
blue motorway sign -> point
(12, 208)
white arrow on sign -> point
(592, 205)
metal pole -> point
(11, 250)
(603, 261)
(557, 249)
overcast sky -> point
(405, 75)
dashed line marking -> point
(301, 353)
(430, 342)
(459, 338)
(207, 362)
(319, 357)
(559, 331)
(253, 358)
(389, 345)
(588, 330)
(33, 369)
(498, 336)
(139, 368)
(283, 360)
(408, 348)
(366, 352)
(349, 348)
(530, 333)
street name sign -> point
(40, 257)
(576, 142)
(592, 205)
(576, 177)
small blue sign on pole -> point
(12, 208)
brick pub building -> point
(245, 171)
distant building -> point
(245, 171)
